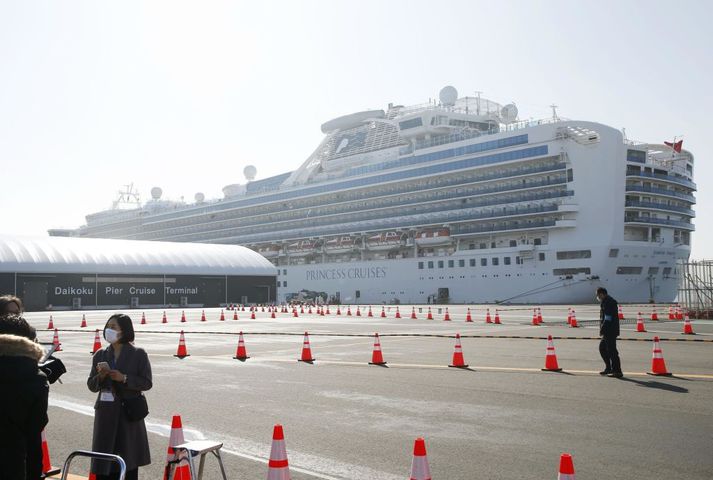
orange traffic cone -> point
(419, 465)
(164, 319)
(349, 311)
(369, 314)
(272, 315)
(183, 317)
(383, 313)
(278, 467)
(497, 317)
(658, 365)
(50, 326)
(458, 361)
(84, 322)
(654, 315)
(182, 470)
(241, 353)
(294, 313)
(339, 311)
(679, 312)
(309, 310)
(398, 314)
(551, 357)
(566, 471)
(358, 313)
(621, 313)
(376, 357)
(252, 315)
(203, 316)
(302, 308)
(235, 314)
(640, 323)
(143, 318)
(306, 351)
(182, 351)
(670, 313)
(55, 341)
(430, 315)
(573, 320)
(222, 315)
(97, 343)
(321, 312)
(534, 317)
(47, 467)
(569, 316)
(92, 476)
(539, 315)
(328, 310)
(687, 327)
(487, 316)
(413, 313)
(468, 317)
(447, 316)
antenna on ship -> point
(127, 197)
(554, 112)
(477, 102)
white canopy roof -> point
(102, 256)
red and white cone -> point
(621, 313)
(413, 313)
(328, 310)
(294, 313)
(430, 314)
(50, 326)
(658, 365)
(183, 317)
(551, 357)
(487, 316)
(640, 323)
(182, 351)
(222, 315)
(687, 327)
(539, 315)
(252, 315)
(182, 470)
(47, 467)
(679, 312)
(97, 343)
(670, 313)
(569, 316)
(573, 320)
(272, 315)
(302, 308)
(235, 314)
(458, 361)
(339, 310)
(55, 341)
(203, 316)
(447, 316)
(143, 318)
(349, 311)
(534, 317)
(420, 469)
(278, 467)
(309, 310)
(497, 317)
(241, 353)
(398, 314)
(369, 313)
(468, 316)
(566, 471)
(654, 315)
(164, 319)
(377, 357)
(306, 351)
(358, 312)
(383, 312)
(84, 322)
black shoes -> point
(605, 372)
(616, 374)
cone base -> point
(551, 369)
(688, 333)
(377, 363)
(51, 472)
(667, 374)
(458, 366)
(183, 356)
(242, 359)
(311, 360)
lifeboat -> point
(268, 251)
(302, 248)
(339, 245)
(433, 236)
(385, 241)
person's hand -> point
(116, 375)
(103, 371)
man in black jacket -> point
(609, 330)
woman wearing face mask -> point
(119, 374)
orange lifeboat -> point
(385, 241)
(339, 245)
(302, 248)
(433, 236)
(269, 251)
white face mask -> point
(112, 336)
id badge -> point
(106, 396)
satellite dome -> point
(448, 96)
(250, 171)
(156, 193)
(508, 113)
(199, 197)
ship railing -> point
(660, 176)
(661, 191)
(660, 221)
(660, 206)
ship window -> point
(571, 254)
(492, 244)
(506, 260)
(482, 245)
(538, 241)
(541, 256)
(629, 270)
(613, 252)
(666, 271)
(461, 263)
(483, 262)
(450, 264)
(420, 265)
(471, 246)
(284, 272)
(653, 270)
(472, 262)
(430, 264)
(518, 260)
(496, 261)
(412, 123)
(571, 271)
(513, 243)
(570, 175)
(440, 264)
(638, 156)
(284, 284)
(278, 284)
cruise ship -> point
(455, 200)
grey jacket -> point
(113, 432)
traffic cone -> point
(358, 313)
(687, 327)
(398, 314)
(458, 361)
(679, 312)
(203, 316)
(278, 467)
(47, 467)
(413, 313)
(566, 471)
(302, 309)
(551, 357)
(97, 343)
(235, 314)
(92, 476)
(534, 317)
(321, 312)
(383, 313)
(272, 315)
(294, 313)
(164, 319)
(55, 341)
(487, 316)
(241, 353)
(349, 311)
(670, 313)
(309, 310)
(222, 315)
(84, 322)
(306, 351)
(183, 317)
(252, 315)
(430, 315)
(376, 356)
(621, 313)
(468, 317)
(419, 465)
(243, 308)
(497, 317)
(369, 314)
(640, 324)
(539, 315)
(50, 326)
(569, 316)
(328, 310)
(182, 470)
(654, 315)
(339, 310)
(143, 318)
(658, 365)
(573, 320)
(447, 316)
(182, 351)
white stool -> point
(199, 448)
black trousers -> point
(609, 353)
(130, 475)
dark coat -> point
(23, 407)
(113, 432)
(609, 317)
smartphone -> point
(103, 366)
(48, 353)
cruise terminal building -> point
(64, 273)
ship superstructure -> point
(455, 200)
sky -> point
(184, 95)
